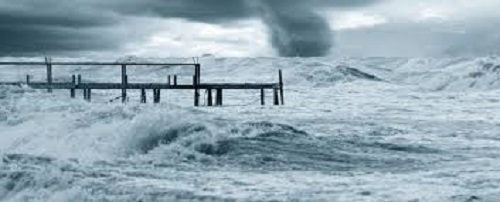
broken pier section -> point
(171, 84)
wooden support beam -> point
(124, 83)
(282, 96)
(276, 98)
(209, 98)
(195, 78)
(49, 72)
(196, 92)
(79, 80)
(85, 94)
(157, 95)
(84, 89)
(198, 73)
(221, 98)
(169, 80)
(89, 94)
(154, 95)
(11, 84)
(218, 99)
(143, 96)
(72, 91)
(138, 86)
(217, 102)
(262, 97)
(175, 80)
(28, 79)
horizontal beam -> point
(98, 64)
(11, 83)
(106, 86)
(236, 86)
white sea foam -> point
(366, 129)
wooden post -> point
(169, 82)
(89, 94)
(143, 96)
(195, 78)
(276, 98)
(73, 81)
(217, 103)
(262, 97)
(218, 99)
(209, 98)
(79, 80)
(49, 74)
(282, 96)
(198, 73)
(154, 95)
(124, 83)
(28, 79)
(85, 94)
(157, 95)
(196, 92)
(175, 80)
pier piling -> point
(73, 91)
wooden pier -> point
(196, 85)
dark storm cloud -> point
(295, 28)
(53, 26)
(297, 31)
(29, 27)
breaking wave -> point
(32, 178)
(481, 74)
(437, 74)
(269, 146)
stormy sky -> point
(289, 28)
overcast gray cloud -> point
(425, 28)
(52, 26)
(294, 27)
